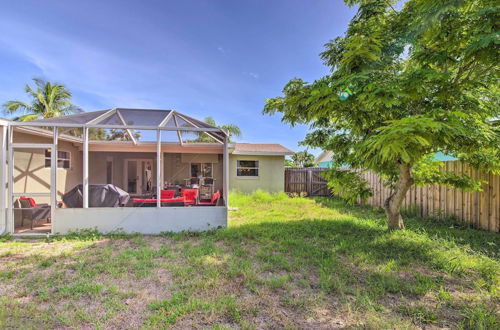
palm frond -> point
(232, 129)
(13, 106)
(29, 117)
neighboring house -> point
(123, 147)
(325, 158)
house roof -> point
(325, 156)
(271, 149)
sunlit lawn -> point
(282, 263)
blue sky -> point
(206, 57)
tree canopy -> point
(404, 84)
(48, 100)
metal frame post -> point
(3, 185)
(85, 182)
(53, 177)
(225, 170)
(10, 181)
(158, 168)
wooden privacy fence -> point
(306, 179)
(481, 209)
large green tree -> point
(48, 100)
(406, 82)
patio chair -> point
(167, 194)
(28, 209)
(213, 201)
(190, 196)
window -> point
(201, 169)
(63, 159)
(247, 168)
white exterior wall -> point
(144, 220)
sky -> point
(219, 58)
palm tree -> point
(301, 159)
(231, 129)
(48, 101)
(121, 135)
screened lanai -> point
(167, 172)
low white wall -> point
(144, 220)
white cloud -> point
(79, 65)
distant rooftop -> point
(260, 149)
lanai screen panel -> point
(143, 117)
(81, 118)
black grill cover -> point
(100, 195)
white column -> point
(158, 168)
(225, 171)
(10, 181)
(53, 175)
(3, 173)
(85, 181)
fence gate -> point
(306, 179)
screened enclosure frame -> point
(117, 118)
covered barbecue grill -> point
(100, 195)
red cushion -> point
(215, 197)
(172, 200)
(213, 201)
(190, 195)
(30, 200)
(167, 194)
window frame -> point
(48, 159)
(201, 169)
(238, 167)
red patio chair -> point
(190, 196)
(167, 194)
(213, 201)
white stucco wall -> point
(144, 220)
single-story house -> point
(101, 170)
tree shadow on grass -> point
(320, 239)
(461, 234)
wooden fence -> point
(481, 209)
(306, 179)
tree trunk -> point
(392, 204)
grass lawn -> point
(282, 263)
